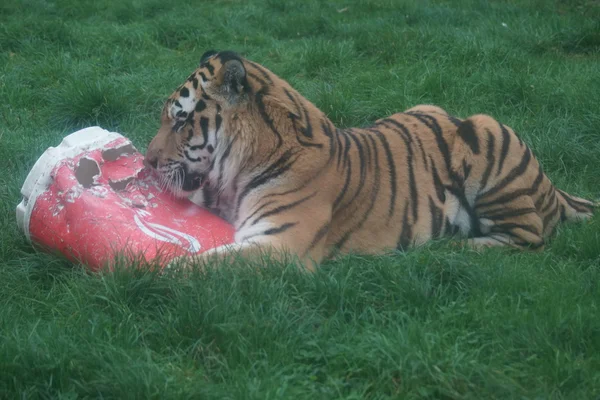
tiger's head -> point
(191, 131)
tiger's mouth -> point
(192, 181)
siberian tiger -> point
(242, 142)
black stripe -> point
(437, 182)
(551, 215)
(257, 78)
(374, 193)
(268, 120)
(293, 100)
(405, 135)
(348, 165)
(271, 231)
(187, 155)
(280, 229)
(363, 165)
(466, 131)
(405, 238)
(329, 133)
(347, 144)
(466, 169)
(203, 77)
(222, 160)
(338, 134)
(218, 119)
(200, 106)
(541, 200)
(563, 213)
(305, 143)
(308, 131)
(392, 169)
(437, 219)
(454, 120)
(503, 213)
(283, 208)
(209, 67)
(507, 227)
(575, 204)
(434, 126)
(490, 159)
(423, 156)
(204, 127)
(262, 70)
(259, 209)
(515, 194)
(505, 145)
(367, 147)
(276, 169)
(377, 182)
(318, 236)
(512, 175)
(551, 201)
(207, 196)
(178, 125)
(306, 183)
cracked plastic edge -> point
(39, 178)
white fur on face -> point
(186, 104)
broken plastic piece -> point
(114, 154)
(120, 184)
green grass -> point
(430, 323)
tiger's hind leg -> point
(515, 223)
(494, 181)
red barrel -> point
(92, 199)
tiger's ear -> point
(229, 82)
(207, 55)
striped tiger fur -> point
(242, 142)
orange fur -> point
(290, 181)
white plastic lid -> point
(38, 180)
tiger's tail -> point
(575, 208)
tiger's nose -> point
(153, 163)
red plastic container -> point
(91, 198)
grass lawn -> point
(434, 322)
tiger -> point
(240, 141)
